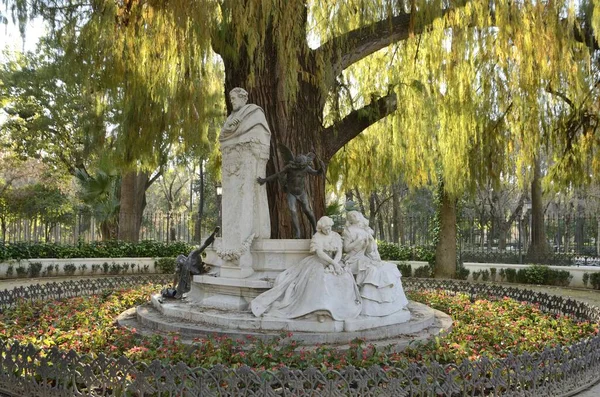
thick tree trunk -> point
(133, 201)
(198, 224)
(539, 247)
(579, 227)
(396, 215)
(598, 238)
(445, 251)
(372, 213)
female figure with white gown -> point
(319, 285)
(379, 282)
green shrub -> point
(424, 253)
(585, 278)
(49, 269)
(394, 252)
(595, 280)
(485, 275)
(35, 268)
(166, 265)
(462, 273)
(69, 269)
(96, 249)
(540, 275)
(423, 272)
(511, 275)
(82, 268)
(502, 274)
(10, 271)
(476, 275)
(405, 269)
(390, 251)
(115, 268)
(21, 271)
(493, 272)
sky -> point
(10, 38)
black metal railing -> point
(560, 371)
(571, 240)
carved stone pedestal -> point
(231, 286)
(218, 303)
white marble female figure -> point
(320, 284)
(379, 282)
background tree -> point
(451, 74)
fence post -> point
(520, 239)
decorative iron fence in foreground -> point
(561, 371)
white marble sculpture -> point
(245, 144)
(379, 282)
(319, 285)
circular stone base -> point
(184, 319)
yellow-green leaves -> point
(480, 93)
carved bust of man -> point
(243, 117)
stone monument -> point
(261, 286)
(245, 143)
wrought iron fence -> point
(560, 371)
(84, 226)
(571, 240)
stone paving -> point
(586, 295)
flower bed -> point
(499, 345)
(494, 328)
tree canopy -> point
(467, 90)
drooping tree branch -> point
(348, 48)
(337, 135)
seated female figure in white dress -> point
(379, 282)
(319, 285)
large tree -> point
(463, 80)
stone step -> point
(424, 323)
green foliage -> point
(502, 274)
(484, 274)
(394, 252)
(46, 203)
(585, 278)
(49, 269)
(493, 272)
(462, 273)
(99, 192)
(511, 275)
(543, 275)
(166, 265)
(35, 268)
(405, 269)
(98, 249)
(21, 271)
(423, 272)
(69, 269)
(9, 271)
(494, 328)
(536, 274)
(595, 280)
